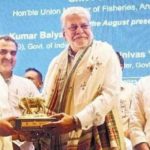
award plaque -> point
(32, 122)
(34, 115)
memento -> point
(34, 115)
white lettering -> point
(59, 45)
(128, 66)
(50, 11)
(21, 13)
(129, 54)
(52, 34)
(144, 6)
(115, 23)
(118, 8)
(140, 22)
(23, 36)
(35, 46)
(142, 65)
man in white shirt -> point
(140, 118)
(126, 95)
(12, 88)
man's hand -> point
(64, 124)
(6, 127)
(142, 146)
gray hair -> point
(74, 10)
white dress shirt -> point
(140, 118)
(11, 91)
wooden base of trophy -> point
(32, 123)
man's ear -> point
(64, 34)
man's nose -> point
(8, 55)
(79, 29)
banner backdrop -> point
(35, 24)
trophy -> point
(34, 116)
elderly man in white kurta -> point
(140, 118)
(83, 82)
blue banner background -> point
(36, 26)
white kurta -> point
(93, 87)
(140, 119)
(10, 94)
(106, 75)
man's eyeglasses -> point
(4, 52)
(75, 27)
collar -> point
(71, 53)
(8, 79)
